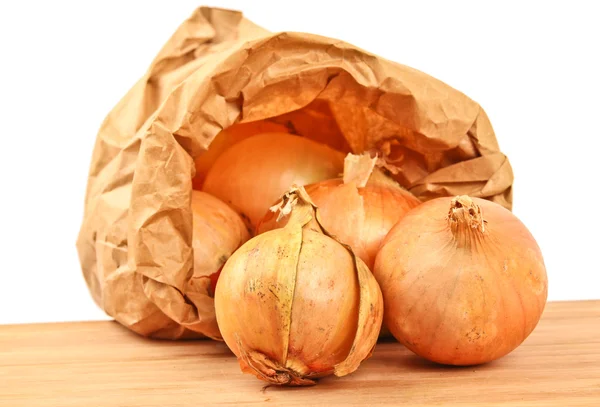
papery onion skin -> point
(457, 290)
(293, 305)
(254, 173)
(359, 217)
(323, 315)
(217, 231)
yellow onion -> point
(359, 209)
(225, 139)
(217, 232)
(252, 174)
(294, 304)
(463, 281)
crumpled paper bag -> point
(220, 70)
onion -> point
(294, 304)
(254, 173)
(460, 289)
(359, 209)
(225, 139)
(217, 232)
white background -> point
(64, 65)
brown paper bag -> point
(220, 70)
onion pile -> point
(294, 304)
(463, 281)
(312, 256)
(252, 174)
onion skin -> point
(293, 305)
(463, 281)
(217, 232)
(326, 272)
(359, 217)
(257, 171)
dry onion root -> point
(358, 209)
(294, 304)
(252, 174)
(463, 281)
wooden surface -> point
(101, 364)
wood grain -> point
(102, 364)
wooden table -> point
(91, 364)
